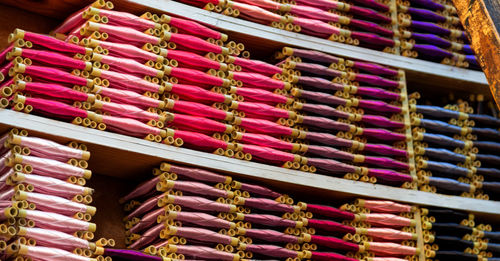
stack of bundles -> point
(329, 99)
(112, 83)
(453, 235)
(44, 202)
(130, 90)
(433, 32)
(112, 76)
(197, 214)
(332, 20)
(456, 150)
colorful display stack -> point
(45, 211)
(328, 87)
(432, 31)
(161, 92)
(455, 235)
(425, 29)
(456, 150)
(333, 20)
(179, 82)
(194, 213)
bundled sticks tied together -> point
(432, 31)
(455, 235)
(456, 150)
(175, 81)
(188, 213)
(44, 205)
(427, 29)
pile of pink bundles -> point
(44, 204)
(174, 81)
(195, 213)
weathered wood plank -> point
(481, 19)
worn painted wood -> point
(481, 19)
(131, 158)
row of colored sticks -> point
(44, 211)
(434, 33)
(186, 85)
(455, 235)
(456, 150)
(419, 28)
(193, 213)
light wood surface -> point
(127, 157)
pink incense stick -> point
(127, 65)
(199, 203)
(199, 123)
(128, 97)
(197, 94)
(200, 141)
(53, 90)
(192, 60)
(48, 253)
(49, 42)
(197, 188)
(256, 66)
(127, 111)
(52, 168)
(192, 27)
(258, 80)
(53, 186)
(384, 206)
(198, 109)
(53, 238)
(52, 58)
(57, 221)
(125, 50)
(147, 220)
(127, 81)
(196, 174)
(201, 219)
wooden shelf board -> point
(132, 158)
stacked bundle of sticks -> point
(194, 213)
(230, 110)
(44, 202)
(456, 151)
(333, 20)
(432, 31)
(420, 28)
(329, 99)
(454, 235)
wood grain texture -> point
(109, 215)
(12, 18)
(476, 16)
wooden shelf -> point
(263, 40)
(127, 157)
